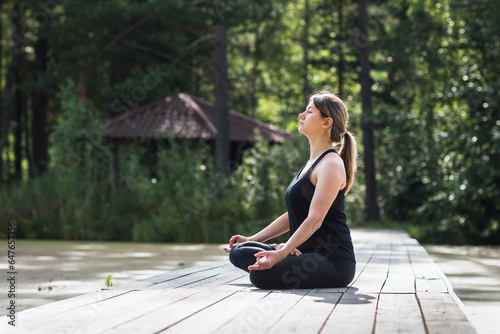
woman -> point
(319, 252)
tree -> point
(340, 48)
(305, 89)
(12, 75)
(221, 100)
(39, 105)
(372, 210)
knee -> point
(257, 278)
(235, 254)
(239, 257)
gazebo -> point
(187, 117)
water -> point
(53, 270)
(48, 271)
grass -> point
(108, 282)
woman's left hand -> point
(267, 259)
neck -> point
(317, 146)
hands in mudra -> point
(265, 259)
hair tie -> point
(344, 132)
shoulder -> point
(331, 167)
(330, 163)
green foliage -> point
(77, 140)
(438, 147)
(107, 281)
(263, 178)
(181, 199)
(179, 204)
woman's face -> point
(311, 120)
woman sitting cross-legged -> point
(319, 252)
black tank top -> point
(333, 238)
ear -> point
(327, 122)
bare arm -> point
(279, 226)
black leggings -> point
(306, 271)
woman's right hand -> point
(235, 239)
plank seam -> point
(202, 279)
(382, 288)
(416, 294)
(181, 276)
(163, 306)
(189, 316)
(179, 300)
(343, 293)
(277, 320)
(97, 301)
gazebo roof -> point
(187, 116)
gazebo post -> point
(113, 168)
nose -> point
(301, 115)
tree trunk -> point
(18, 135)
(255, 71)
(39, 137)
(372, 210)
(12, 76)
(305, 89)
(27, 135)
(221, 101)
(340, 65)
(82, 85)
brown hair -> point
(330, 105)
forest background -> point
(420, 79)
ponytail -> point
(348, 153)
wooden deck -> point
(397, 289)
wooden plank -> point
(353, 314)
(209, 276)
(427, 275)
(210, 317)
(192, 277)
(399, 313)
(308, 315)
(374, 275)
(228, 274)
(400, 277)
(153, 281)
(167, 316)
(260, 317)
(62, 306)
(103, 315)
(442, 314)
(243, 282)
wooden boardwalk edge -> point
(397, 289)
